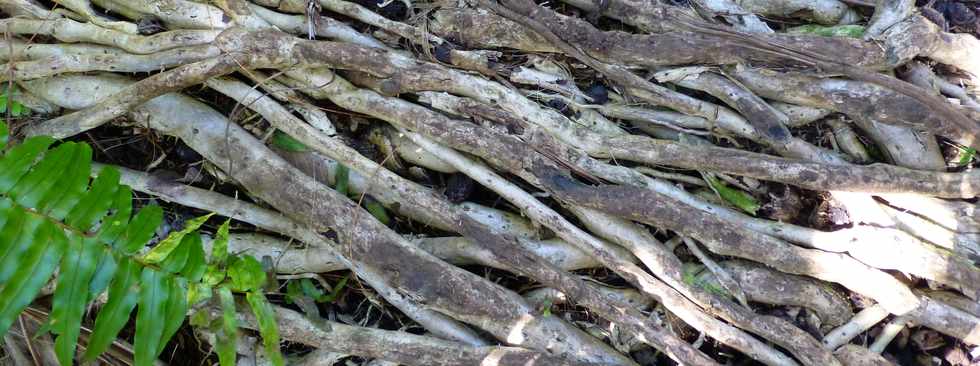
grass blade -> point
(737, 198)
(343, 180)
(229, 328)
(266, 318)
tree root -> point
(570, 181)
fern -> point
(53, 217)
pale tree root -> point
(186, 76)
(968, 269)
(463, 224)
(210, 140)
(565, 288)
(543, 162)
(400, 347)
(359, 101)
(882, 178)
(862, 207)
(591, 298)
(851, 354)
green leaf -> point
(293, 291)
(150, 317)
(19, 160)
(852, 31)
(105, 269)
(229, 328)
(17, 109)
(17, 237)
(197, 292)
(114, 226)
(213, 275)
(200, 319)
(699, 276)
(219, 248)
(335, 293)
(310, 289)
(140, 230)
(194, 268)
(966, 156)
(177, 258)
(283, 141)
(32, 273)
(266, 318)
(44, 177)
(71, 295)
(4, 135)
(343, 180)
(377, 210)
(246, 273)
(163, 249)
(6, 213)
(71, 187)
(96, 201)
(176, 310)
(737, 198)
(123, 295)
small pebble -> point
(186, 154)
(598, 93)
(443, 53)
(956, 13)
(557, 104)
(459, 187)
(149, 25)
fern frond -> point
(54, 217)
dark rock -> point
(598, 93)
(443, 53)
(459, 187)
(557, 104)
(185, 154)
(956, 13)
(149, 24)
